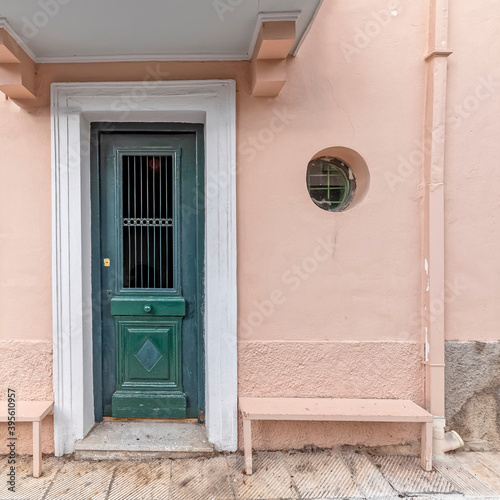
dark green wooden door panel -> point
(151, 353)
(150, 305)
(149, 376)
(148, 338)
(148, 405)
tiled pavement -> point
(278, 475)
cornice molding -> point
(18, 39)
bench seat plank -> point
(329, 409)
(27, 411)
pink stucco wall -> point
(473, 173)
(328, 303)
(369, 287)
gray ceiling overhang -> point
(114, 30)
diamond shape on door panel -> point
(148, 355)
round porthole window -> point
(331, 183)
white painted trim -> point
(265, 17)
(13, 33)
(73, 107)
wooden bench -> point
(35, 412)
(338, 410)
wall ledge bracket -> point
(17, 69)
(274, 42)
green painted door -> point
(148, 268)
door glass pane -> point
(147, 195)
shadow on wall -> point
(473, 393)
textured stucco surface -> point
(330, 369)
(335, 369)
(473, 393)
(26, 367)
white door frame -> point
(73, 107)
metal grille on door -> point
(148, 222)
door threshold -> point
(144, 439)
(148, 420)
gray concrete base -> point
(473, 393)
(129, 440)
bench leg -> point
(247, 444)
(426, 452)
(37, 449)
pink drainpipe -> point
(433, 224)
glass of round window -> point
(331, 183)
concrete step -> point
(129, 440)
